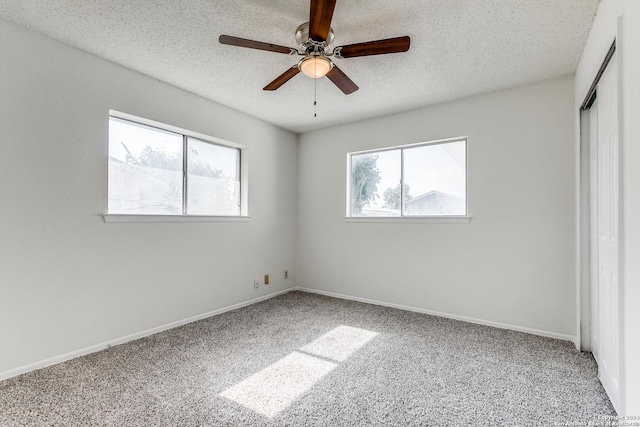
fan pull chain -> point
(315, 94)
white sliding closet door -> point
(593, 197)
(605, 239)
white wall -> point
(512, 264)
(68, 280)
(621, 19)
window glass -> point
(145, 169)
(213, 179)
(371, 172)
(434, 179)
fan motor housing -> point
(304, 42)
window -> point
(427, 179)
(156, 171)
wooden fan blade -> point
(377, 47)
(320, 19)
(282, 78)
(252, 44)
(340, 79)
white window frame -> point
(184, 217)
(407, 219)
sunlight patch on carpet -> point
(273, 389)
(340, 343)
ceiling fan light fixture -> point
(315, 66)
(314, 40)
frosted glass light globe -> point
(315, 66)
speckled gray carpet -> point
(302, 359)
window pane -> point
(145, 169)
(213, 179)
(374, 176)
(435, 179)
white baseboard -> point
(94, 348)
(532, 331)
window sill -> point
(411, 219)
(172, 218)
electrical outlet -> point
(286, 274)
(256, 284)
(266, 279)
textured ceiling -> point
(458, 48)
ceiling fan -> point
(314, 40)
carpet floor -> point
(308, 360)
